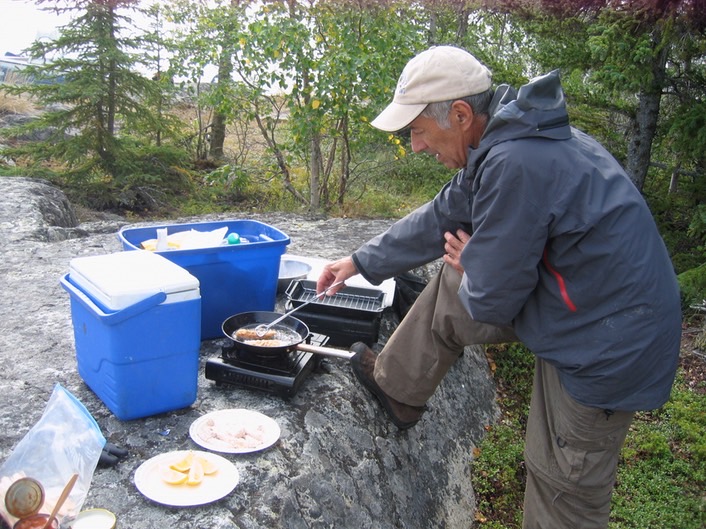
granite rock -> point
(339, 461)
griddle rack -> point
(349, 316)
(351, 301)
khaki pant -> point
(571, 455)
(571, 450)
(430, 339)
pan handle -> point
(325, 351)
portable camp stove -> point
(281, 374)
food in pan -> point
(267, 343)
(277, 336)
(247, 333)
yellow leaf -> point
(315, 104)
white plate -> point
(148, 480)
(94, 519)
(235, 431)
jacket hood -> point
(537, 109)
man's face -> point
(449, 146)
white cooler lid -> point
(119, 280)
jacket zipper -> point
(560, 281)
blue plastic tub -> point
(234, 278)
(142, 358)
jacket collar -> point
(536, 110)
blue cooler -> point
(233, 278)
(136, 319)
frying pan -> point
(290, 323)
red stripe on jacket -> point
(560, 281)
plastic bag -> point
(65, 441)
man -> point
(544, 239)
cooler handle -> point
(112, 318)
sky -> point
(22, 22)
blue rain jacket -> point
(563, 247)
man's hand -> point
(333, 272)
(455, 243)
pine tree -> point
(98, 110)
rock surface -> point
(338, 463)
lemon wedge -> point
(209, 467)
(195, 476)
(183, 465)
(174, 477)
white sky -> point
(22, 22)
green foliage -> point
(649, 496)
(692, 284)
(662, 474)
(498, 475)
(686, 412)
(418, 174)
(235, 178)
(498, 469)
(513, 368)
(688, 128)
(148, 179)
(326, 57)
(95, 95)
(674, 214)
(624, 49)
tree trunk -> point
(674, 180)
(315, 178)
(644, 124)
(218, 124)
(642, 133)
(218, 136)
(107, 152)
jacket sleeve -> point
(418, 238)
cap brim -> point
(396, 117)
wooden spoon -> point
(64, 494)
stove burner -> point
(280, 362)
(281, 374)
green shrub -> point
(693, 286)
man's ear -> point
(461, 113)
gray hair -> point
(439, 112)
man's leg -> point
(429, 340)
(571, 455)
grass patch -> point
(498, 469)
(662, 473)
(13, 104)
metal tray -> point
(353, 302)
